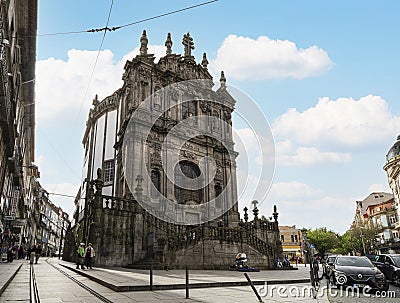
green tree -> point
(348, 243)
(324, 240)
(363, 237)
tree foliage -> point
(359, 237)
(324, 240)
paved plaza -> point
(59, 281)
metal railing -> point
(34, 293)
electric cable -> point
(97, 59)
(114, 28)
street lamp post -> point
(61, 239)
(305, 246)
(362, 241)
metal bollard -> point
(151, 276)
(253, 288)
(187, 282)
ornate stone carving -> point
(222, 80)
(174, 95)
(155, 158)
(218, 173)
(168, 44)
(204, 62)
(187, 154)
(205, 106)
(143, 44)
(157, 98)
(188, 44)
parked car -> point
(357, 272)
(390, 266)
(371, 257)
(327, 269)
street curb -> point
(5, 285)
(126, 288)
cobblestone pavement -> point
(18, 289)
(59, 284)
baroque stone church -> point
(159, 175)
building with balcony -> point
(18, 27)
(378, 213)
(392, 168)
(52, 227)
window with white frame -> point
(108, 172)
(392, 219)
(395, 234)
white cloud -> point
(255, 163)
(61, 85)
(377, 188)
(294, 189)
(288, 154)
(344, 121)
(302, 205)
(244, 58)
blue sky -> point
(324, 74)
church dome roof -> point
(394, 150)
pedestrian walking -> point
(28, 252)
(10, 255)
(38, 253)
(80, 253)
(21, 252)
(89, 255)
(32, 255)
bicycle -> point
(314, 278)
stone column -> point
(96, 218)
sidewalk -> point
(122, 279)
(215, 291)
(55, 287)
(8, 272)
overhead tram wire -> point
(166, 14)
(62, 195)
(97, 59)
(106, 28)
(114, 28)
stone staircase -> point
(170, 238)
(176, 237)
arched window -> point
(155, 179)
(183, 193)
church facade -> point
(159, 176)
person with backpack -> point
(80, 255)
(89, 255)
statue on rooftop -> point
(188, 44)
(143, 44)
(168, 44)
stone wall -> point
(212, 254)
